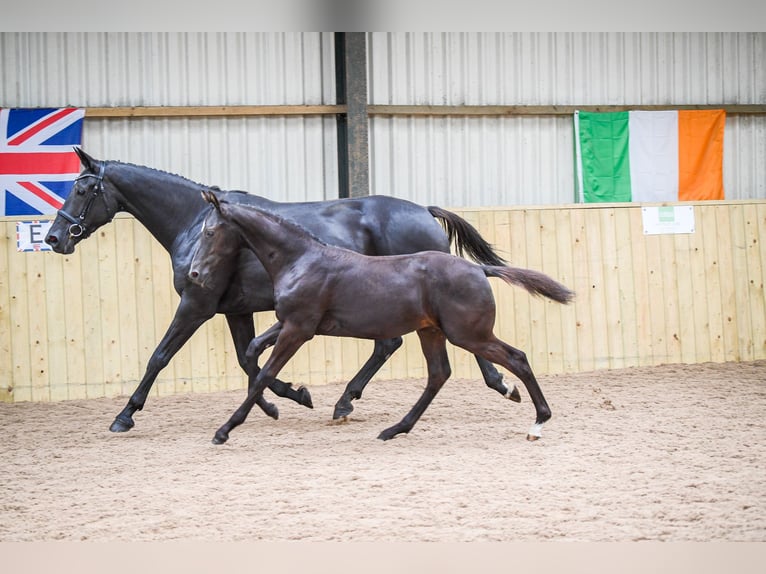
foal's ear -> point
(87, 162)
(211, 198)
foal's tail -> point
(466, 238)
(533, 281)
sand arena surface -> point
(671, 453)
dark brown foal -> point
(324, 290)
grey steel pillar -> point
(353, 129)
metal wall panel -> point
(285, 158)
(496, 161)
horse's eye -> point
(80, 191)
(208, 233)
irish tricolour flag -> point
(649, 156)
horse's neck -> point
(165, 204)
(267, 235)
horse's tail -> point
(533, 281)
(466, 237)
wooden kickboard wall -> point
(84, 325)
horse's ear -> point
(87, 161)
(211, 198)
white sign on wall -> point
(668, 219)
(30, 235)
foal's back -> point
(382, 297)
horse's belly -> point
(363, 326)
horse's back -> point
(373, 225)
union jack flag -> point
(38, 164)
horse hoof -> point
(342, 411)
(388, 434)
(220, 438)
(305, 398)
(532, 438)
(514, 395)
(122, 425)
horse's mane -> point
(183, 178)
(289, 223)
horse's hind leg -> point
(433, 343)
(494, 380)
(286, 346)
(380, 354)
(516, 362)
(243, 332)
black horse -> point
(325, 290)
(172, 210)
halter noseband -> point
(78, 227)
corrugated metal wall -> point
(279, 157)
(496, 161)
(452, 161)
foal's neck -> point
(277, 242)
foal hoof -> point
(220, 438)
(535, 432)
(304, 398)
(514, 395)
(122, 424)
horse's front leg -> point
(249, 348)
(433, 343)
(288, 343)
(188, 318)
(380, 354)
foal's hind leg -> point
(380, 354)
(516, 362)
(494, 380)
(433, 343)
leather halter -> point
(78, 227)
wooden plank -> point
(741, 283)
(547, 110)
(56, 303)
(699, 294)
(566, 275)
(7, 248)
(610, 256)
(146, 339)
(625, 296)
(210, 111)
(759, 327)
(687, 327)
(594, 241)
(110, 304)
(38, 326)
(549, 240)
(642, 295)
(670, 298)
(127, 311)
(582, 286)
(755, 282)
(709, 283)
(726, 252)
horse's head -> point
(87, 207)
(219, 245)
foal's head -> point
(218, 245)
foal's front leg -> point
(288, 343)
(434, 345)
